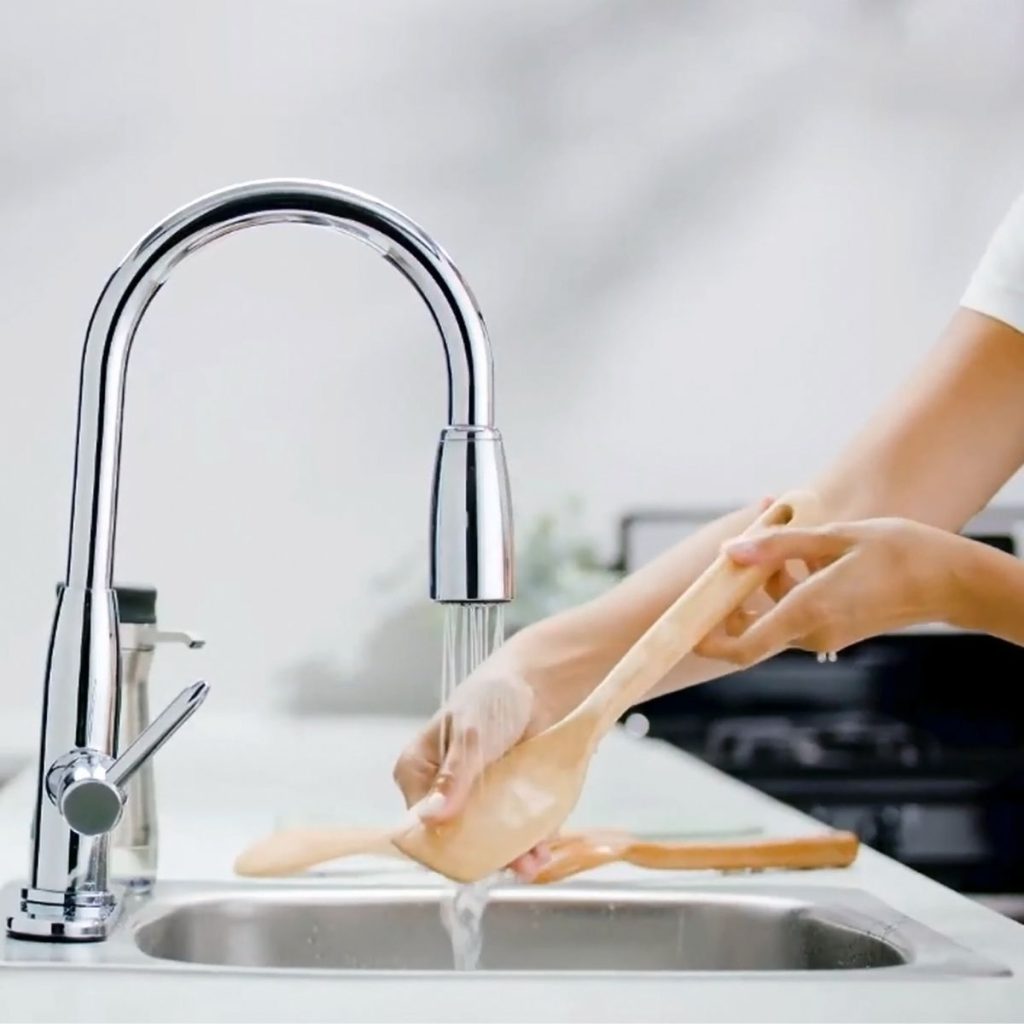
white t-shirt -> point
(996, 287)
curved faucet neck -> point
(138, 278)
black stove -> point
(837, 743)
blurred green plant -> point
(557, 566)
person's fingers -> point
(720, 639)
(417, 765)
(779, 584)
(741, 651)
(706, 647)
(717, 646)
(737, 621)
(531, 863)
(486, 716)
(774, 547)
(526, 867)
(817, 564)
(802, 614)
(462, 763)
(734, 624)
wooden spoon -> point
(571, 855)
(524, 797)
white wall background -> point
(707, 237)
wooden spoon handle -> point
(719, 590)
(831, 850)
(292, 851)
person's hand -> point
(512, 696)
(864, 579)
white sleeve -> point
(996, 287)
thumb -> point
(774, 547)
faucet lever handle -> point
(157, 733)
(88, 787)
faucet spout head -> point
(471, 551)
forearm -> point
(946, 441)
(987, 592)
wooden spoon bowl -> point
(518, 800)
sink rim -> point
(928, 952)
(925, 950)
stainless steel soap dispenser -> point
(134, 842)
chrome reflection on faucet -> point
(80, 794)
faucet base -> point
(85, 918)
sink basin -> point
(564, 931)
(578, 929)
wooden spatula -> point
(571, 855)
(525, 796)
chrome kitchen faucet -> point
(81, 779)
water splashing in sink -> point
(462, 913)
(471, 633)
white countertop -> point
(226, 780)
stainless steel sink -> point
(565, 929)
(521, 932)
